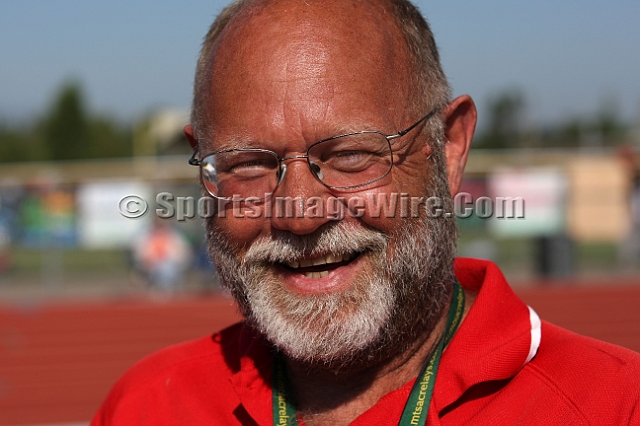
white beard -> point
(320, 328)
(380, 313)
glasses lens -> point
(240, 174)
(352, 160)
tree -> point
(602, 129)
(19, 145)
(66, 132)
(66, 128)
(504, 128)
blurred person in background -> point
(362, 319)
(9, 206)
(163, 255)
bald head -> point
(295, 62)
(310, 51)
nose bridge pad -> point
(316, 170)
(282, 172)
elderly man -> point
(361, 318)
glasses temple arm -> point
(193, 160)
(410, 128)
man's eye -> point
(350, 161)
(250, 168)
(350, 155)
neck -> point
(325, 396)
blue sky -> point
(568, 57)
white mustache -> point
(333, 238)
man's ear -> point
(460, 123)
(188, 132)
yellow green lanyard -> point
(415, 411)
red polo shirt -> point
(503, 367)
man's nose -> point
(299, 204)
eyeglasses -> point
(343, 162)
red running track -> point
(58, 361)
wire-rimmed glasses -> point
(343, 162)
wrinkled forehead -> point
(311, 49)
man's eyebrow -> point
(346, 128)
(321, 132)
(233, 143)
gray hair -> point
(428, 74)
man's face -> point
(283, 79)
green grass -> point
(33, 261)
(513, 255)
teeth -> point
(322, 260)
(316, 274)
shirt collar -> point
(252, 382)
(495, 340)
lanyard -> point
(415, 411)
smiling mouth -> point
(320, 266)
